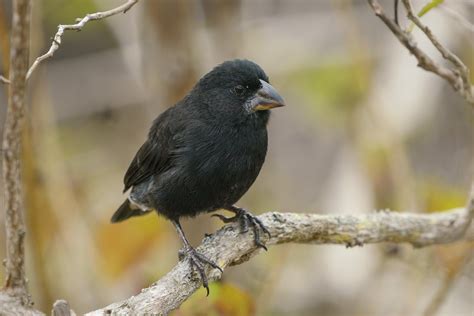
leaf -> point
(427, 8)
(433, 4)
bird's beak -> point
(266, 98)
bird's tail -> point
(127, 210)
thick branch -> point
(229, 247)
(15, 299)
(15, 281)
(78, 27)
(458, 77)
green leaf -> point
(427, 8)
(433, 4)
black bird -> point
(204, 153)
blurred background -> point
(364, 129)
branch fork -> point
(81, 22)
(457, 75)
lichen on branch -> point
(230, 247)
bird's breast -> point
(232, 150)
(212, 168)
(226, 158)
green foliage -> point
(332, 90)
(66, 12)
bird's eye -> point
(239, 89)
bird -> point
(203, 154)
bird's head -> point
(239, 87)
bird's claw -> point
(246, 218)
(198, 261)
(249, 219)
(225, 219)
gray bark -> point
(229, 247)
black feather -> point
(205, 152)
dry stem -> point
(457, 77)
(77, 27)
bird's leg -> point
(246, 219)
(196, 259)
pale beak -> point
(266, 98)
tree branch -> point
(14, 298)
(78, 27)
(14, 224)
(229, 247)
(4, 80)
(458, 77)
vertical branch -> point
(15, 281)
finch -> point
(204, 153)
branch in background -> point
(395, 12)
(450, 278)
(14, 298)
(78, 27)
(229, 247)
(15, 228)
(457, 77)
(4, 80)
(463, 72)
(454, 270)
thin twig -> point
(4, 80)
(458, 78)
(77, 27)
(229, 247)
(449, 280)
(395, 12)
(463, 71)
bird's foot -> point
(246, 219)
(198, 261)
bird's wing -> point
(146, 160)
(153, 156)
